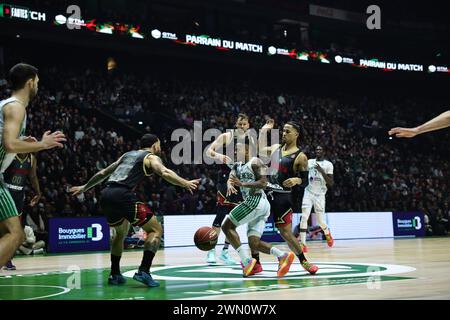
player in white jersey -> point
(320, 176)
(251, 178)
(23, 80)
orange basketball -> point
(206, 238)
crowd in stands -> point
(371, 172)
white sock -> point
(243, 254)
(276, 252)
(303, 238)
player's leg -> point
(11, 230)
(121, 231)
(18, 198)
(154, 231)
(307, 204)
(319, 209)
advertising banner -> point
(408, 224)
(78, 234)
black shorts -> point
(280, 207)
(118, 203)
(222, 199)
(221, 213)
(19, 199)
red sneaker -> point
(311, 268)
(284, 264)
(256, 269)
(248, 267)
(330, 240)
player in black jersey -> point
(121, 206)
(23, 167)
(225, 203)
(288, 169)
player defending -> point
(440, 122)
(121, 206)
(23, 166)
(225, 203)
(24, 84)
(253, 211)
(288, 169)
(320, 177)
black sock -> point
(301, 257)
(256, 256)
(147, 260)
(226, 245)
(115, 267)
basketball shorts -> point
(254, 212)
(281, 208)
(119, 203)
(311, 200)
(225, 204)
(7, 206)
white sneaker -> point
(211, 256)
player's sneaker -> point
(116, 279)
(248, 266)
(256, 269)
(145, 278)
(9, 266)
(304, 248)
(330, 240)
(226, 258)
(284, 263)
(211, 257)
(311, 268)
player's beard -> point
(32, 95)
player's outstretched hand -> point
(231, 189)
(192, 185)
(52, 140)
(269, 124)
(404, 132)
(289, 183)
(76, 190)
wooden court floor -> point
(352, 269)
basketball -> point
(206, 238)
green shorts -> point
(7, 205)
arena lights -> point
(16, 12)
(432, 68)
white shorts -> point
(311, 199)
(254, 212)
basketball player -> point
(440, 122)
(23, 166)
(225, 203)
(288, 169)
(320, 177)
(121, 206)
(24, 84)
(253, 211)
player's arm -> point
(13, 114)
(34, 181)
(96, 179)
(260, 170)
(329, 180)
(154, 164)
(301, 170)
(230, 187)
(264, 149)
(220, 141)
(440, 122)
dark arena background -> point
(346, 72)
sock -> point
(256, 256)
(303, 236)
(226, 245)
(326, 231)
(276, 252)
(243, 254)
(147, 260)
(115, 267)
(301, 257)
